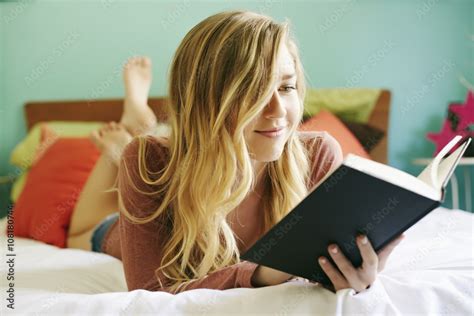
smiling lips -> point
(274, 132)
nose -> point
(275, 108)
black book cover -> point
(348, 202)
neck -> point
(259, 171)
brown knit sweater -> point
(140, 247)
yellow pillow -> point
(24, 153)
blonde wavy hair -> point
(222, 76)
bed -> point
(430, 273)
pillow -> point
(326, 121)
(38, 139)
(24, 153)
(18, 186)
(44, 208)
(353, 104)
(367, 135)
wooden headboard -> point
(111, 109)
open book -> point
(360, 196)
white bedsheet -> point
(430, 273)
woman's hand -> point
(357, 278)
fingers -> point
(336, 278)
(369, 256)
(387, 250)
(370, 260)
(348, 276)
(344, 265)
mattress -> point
(430, 273)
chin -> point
(270, 157)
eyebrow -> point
(288, 76)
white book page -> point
(425, 175)
(392, 175)
(445, 167)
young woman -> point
(231, 167)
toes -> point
(142, 61)
(145, 61)
(95, 137)
(121, 127)
(131, 61)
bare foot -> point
(111, 139)
(137, 116)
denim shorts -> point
(101, 230)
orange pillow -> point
(327, 121)
(44, 208)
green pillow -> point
(17, 186)
(350, 104)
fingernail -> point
(364, 240)
(322, 260)
(334, 249)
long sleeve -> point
(325, 152)
(142, 245)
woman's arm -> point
(142, 250)
(142, 244)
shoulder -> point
(156, 152)
(321, 141)
(152, 143)
(138, 195)
(324, 152)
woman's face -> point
(282, 112)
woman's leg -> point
(94, 204)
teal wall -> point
(74, 49)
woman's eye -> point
(288, 88)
